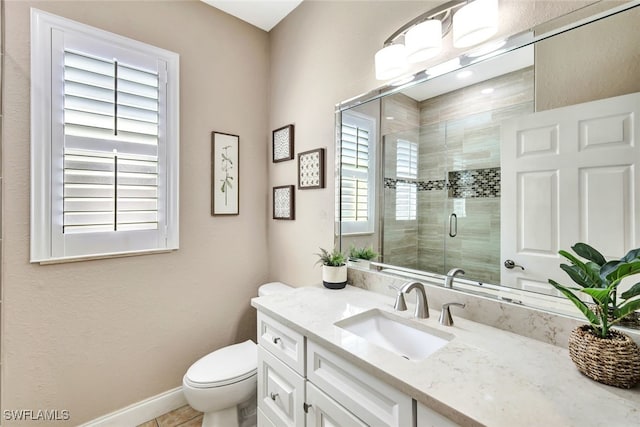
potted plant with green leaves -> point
(334, 268)
(362, 256)
(600, 352)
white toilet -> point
(223, 384)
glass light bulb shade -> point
(424, 40)
(391, 61)
(475, 23)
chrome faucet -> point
(400, 304)
(445, 315)
(422, 306)
(448, 281)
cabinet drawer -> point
(285, 343)
(324, 411)
(371, 400)
(280, 391)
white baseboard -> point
(142, 411)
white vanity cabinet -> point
(426, 417)
(323, 411)
(281, 376)
(371, 400)
(301, 383)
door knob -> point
(510, 264)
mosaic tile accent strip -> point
(469, 184)
(391, 183)
(475, 183)
(431, 185)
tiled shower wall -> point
(400, 119)
(459, 141)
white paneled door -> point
(568, 175)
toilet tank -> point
(273, 288)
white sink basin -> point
(409, 339)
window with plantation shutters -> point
(407, 174)
(111, 146)
(104, 143)
(357, 164)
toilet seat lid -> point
(224, 366)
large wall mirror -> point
(493, 161)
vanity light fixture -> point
(473, 21)
(391, 61)
(424, 40)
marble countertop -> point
(483, 376)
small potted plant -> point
(361, 257)
(601, 353)
(334, 268)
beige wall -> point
(92, 337)
(597, 61)
(322, 54)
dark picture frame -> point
(225, 174)
(311, 169)
(282, 143)
(284, 202)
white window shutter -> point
(406, 159)
(107, 188)
(355, 173)
(406, 191)
(357, 162)
(406, 201)
(109, 180)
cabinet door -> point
(323, 411)
(280, 391)
(427, 417)
(263, 421)
(370, 399)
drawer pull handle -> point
(273, 396)
(306, 407)
(276, 340)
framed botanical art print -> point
(282, 139)
(311, 169)
(283, 202)
(225, 168)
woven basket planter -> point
(613, 361)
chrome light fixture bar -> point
(472, 21)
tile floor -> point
(184, 416)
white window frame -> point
(363, 121)
(48, 244)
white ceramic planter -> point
(334, 277)
(361, 264)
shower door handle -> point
(453, 225)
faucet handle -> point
(400, 304)
(445, 315)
